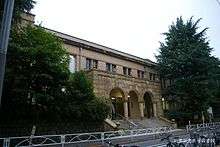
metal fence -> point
(67, 139)
(202, 126)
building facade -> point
(131, 84)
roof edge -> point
(98, 46)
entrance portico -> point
(131, 104)
(129, 97)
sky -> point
(131, 26)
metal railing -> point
(131, 125)
(202, 126)
(65, 139)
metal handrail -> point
(132, 125)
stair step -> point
(141, 123)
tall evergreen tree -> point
(185, 59)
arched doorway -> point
(117, 99)
(133, 105)
(148, 110)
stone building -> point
(131, 83)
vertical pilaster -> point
(141, 107)
(155, 109)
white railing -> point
(61, 140)
(202, 126)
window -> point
(72, 64)
(88, 63)
(152, 76)
(110, 67)
(95, 64)
(140, 74)
(113, 68)
(91, 63)
(127, 71)
(124, 70)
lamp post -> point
(4, 36)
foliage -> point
(19, 7)
(185, 59)
(36, 75)
(37, 72)
(79, 102)
(37, 65)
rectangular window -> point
(140, 74)
(114, 68)
(95, 64)
(124, 70)
(91, 63)
(154, 77)
(72, 64)
(110, 67)
(88, 63)
(127, 71)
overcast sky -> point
(131, 26)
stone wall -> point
(104, 82)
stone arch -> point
(117, 97)
(148, 102)
(133, 104)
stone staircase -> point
(155, 122)
(141, 123)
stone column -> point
(126, 109)
(141, 107)
(155, 109)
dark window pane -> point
(124, 70)
(129, 71)
(88, 63)
(95, 64)
(113, 68)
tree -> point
(19, 7)
(36, 67)
(79, 101)
(39, 86)
(185, 59)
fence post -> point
(103, 138)
(6, 142)
(187, 128)
(62, 140)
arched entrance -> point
(117, 99)
(148, 110)
(133, 105)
